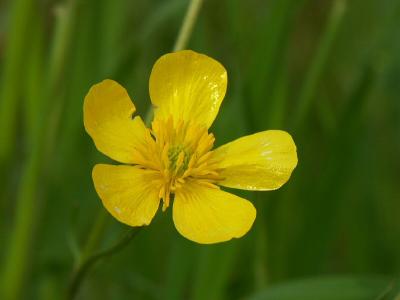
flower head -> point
(174, 160)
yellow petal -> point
(128, 193)
(262, 161)
(206, 215)
(189, 86)
(108, 120)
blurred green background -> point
(327, 71)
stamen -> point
(181, 152)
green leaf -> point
(326, 288)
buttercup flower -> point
(174, 160)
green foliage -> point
(326, 71)
(330, 288)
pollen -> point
(180, 151)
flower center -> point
(182, 153)
(178, 159)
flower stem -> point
(86, 264)
(95, 235)
(188, 24)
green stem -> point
(17, 260)
(20, 244)
(85, 265)
(188, 24)
(95, 234)
(319, 61)
(17, 43)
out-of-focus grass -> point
(326, 71)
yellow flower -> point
(174, 160)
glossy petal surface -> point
(188, 86)
(262, 161)
(108, 118)
(206, 215)
(128, 193)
